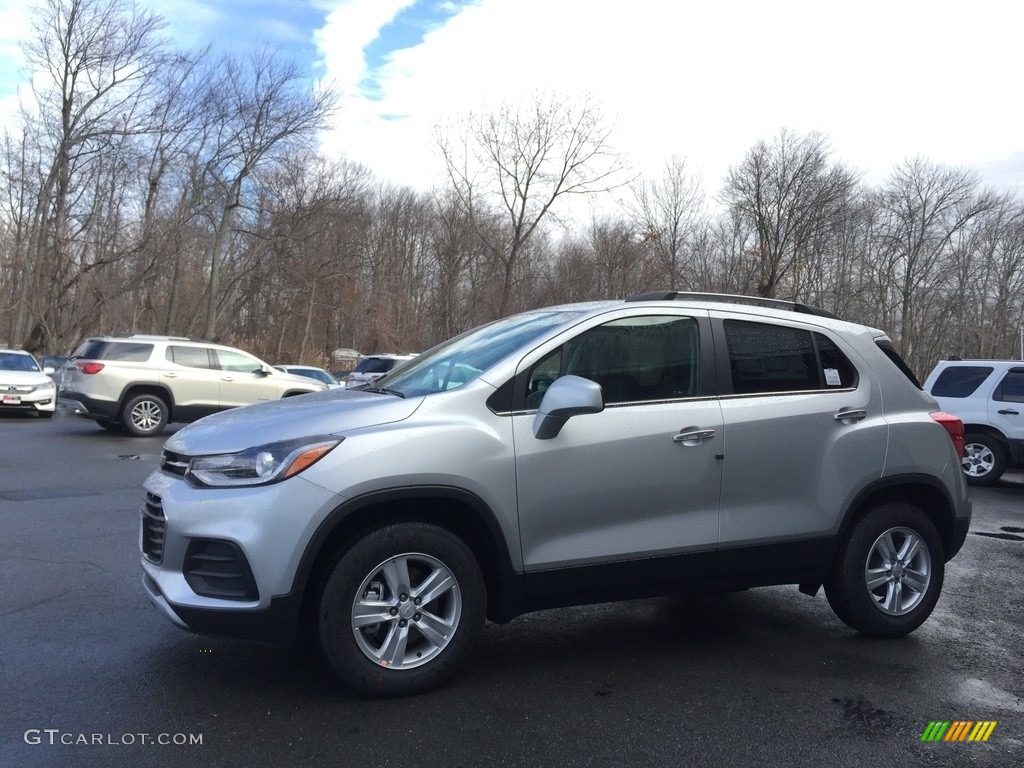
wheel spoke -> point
(892, 601)
(916, 580)
(876, 577)
(434, 628)
(911, 546)
(396, 574)
(368, 612)
(886, 548)
(436, 584)
(393, 649)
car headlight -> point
(44, 386)
(260, 465)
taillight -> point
(954, 426)
(89, 367)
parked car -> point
(372, 367)
(23, 385)
(567, 455)
(988, 396)
(311, 372)
(140, 383)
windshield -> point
(12, 361)
(460, 360)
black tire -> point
(905, 592)
(984, 458)
(110, 426)
(145, 415)
(440, 632)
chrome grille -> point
(154, 528)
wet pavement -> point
(93, 675)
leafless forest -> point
(145, 189)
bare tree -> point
(787, 190)
(668, 210)
(264, 111)
(96, 60)
(521, 161)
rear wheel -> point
(401, 610)
(145, 415)
(889, 572)
(984, 459)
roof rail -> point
(729, 298)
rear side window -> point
(1011, 388)
(122, 351)
(777, 358)
(960, 380)
(193, 357)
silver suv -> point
(568, 455)
(988, 397)
(140, 383)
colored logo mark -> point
(959, 730)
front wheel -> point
(402, 609)
(888, 575)
(984, 459)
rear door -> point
(190, 374)
(804, 430)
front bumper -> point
(44, 400)
(253, 594)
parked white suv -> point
(988, 396)
(372, 367)
(567, 455)
(140, 383)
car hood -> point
(23, 378)
(335, 411)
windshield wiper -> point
(385, 391)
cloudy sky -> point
(884, 79)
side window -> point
(777, 358)
(126, 352)
(635, 359)
(237, 362)
(960, 380)
(193, 357)
(1011, 388)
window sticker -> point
(832, 377)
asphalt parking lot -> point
(93, 675)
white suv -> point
(140, 383)
(372, 367)
(988, 396)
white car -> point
(24, 386)
(311, 372)
(988, 397)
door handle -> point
(693, 436)
(850, 414)
(227, 378)
(171, 375)
(1008, 412)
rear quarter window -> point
(960, 380)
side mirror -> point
(566, 397)
(49, 370)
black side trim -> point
(103, 409)
(619, 580)
(785, 562)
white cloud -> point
(703, 80)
